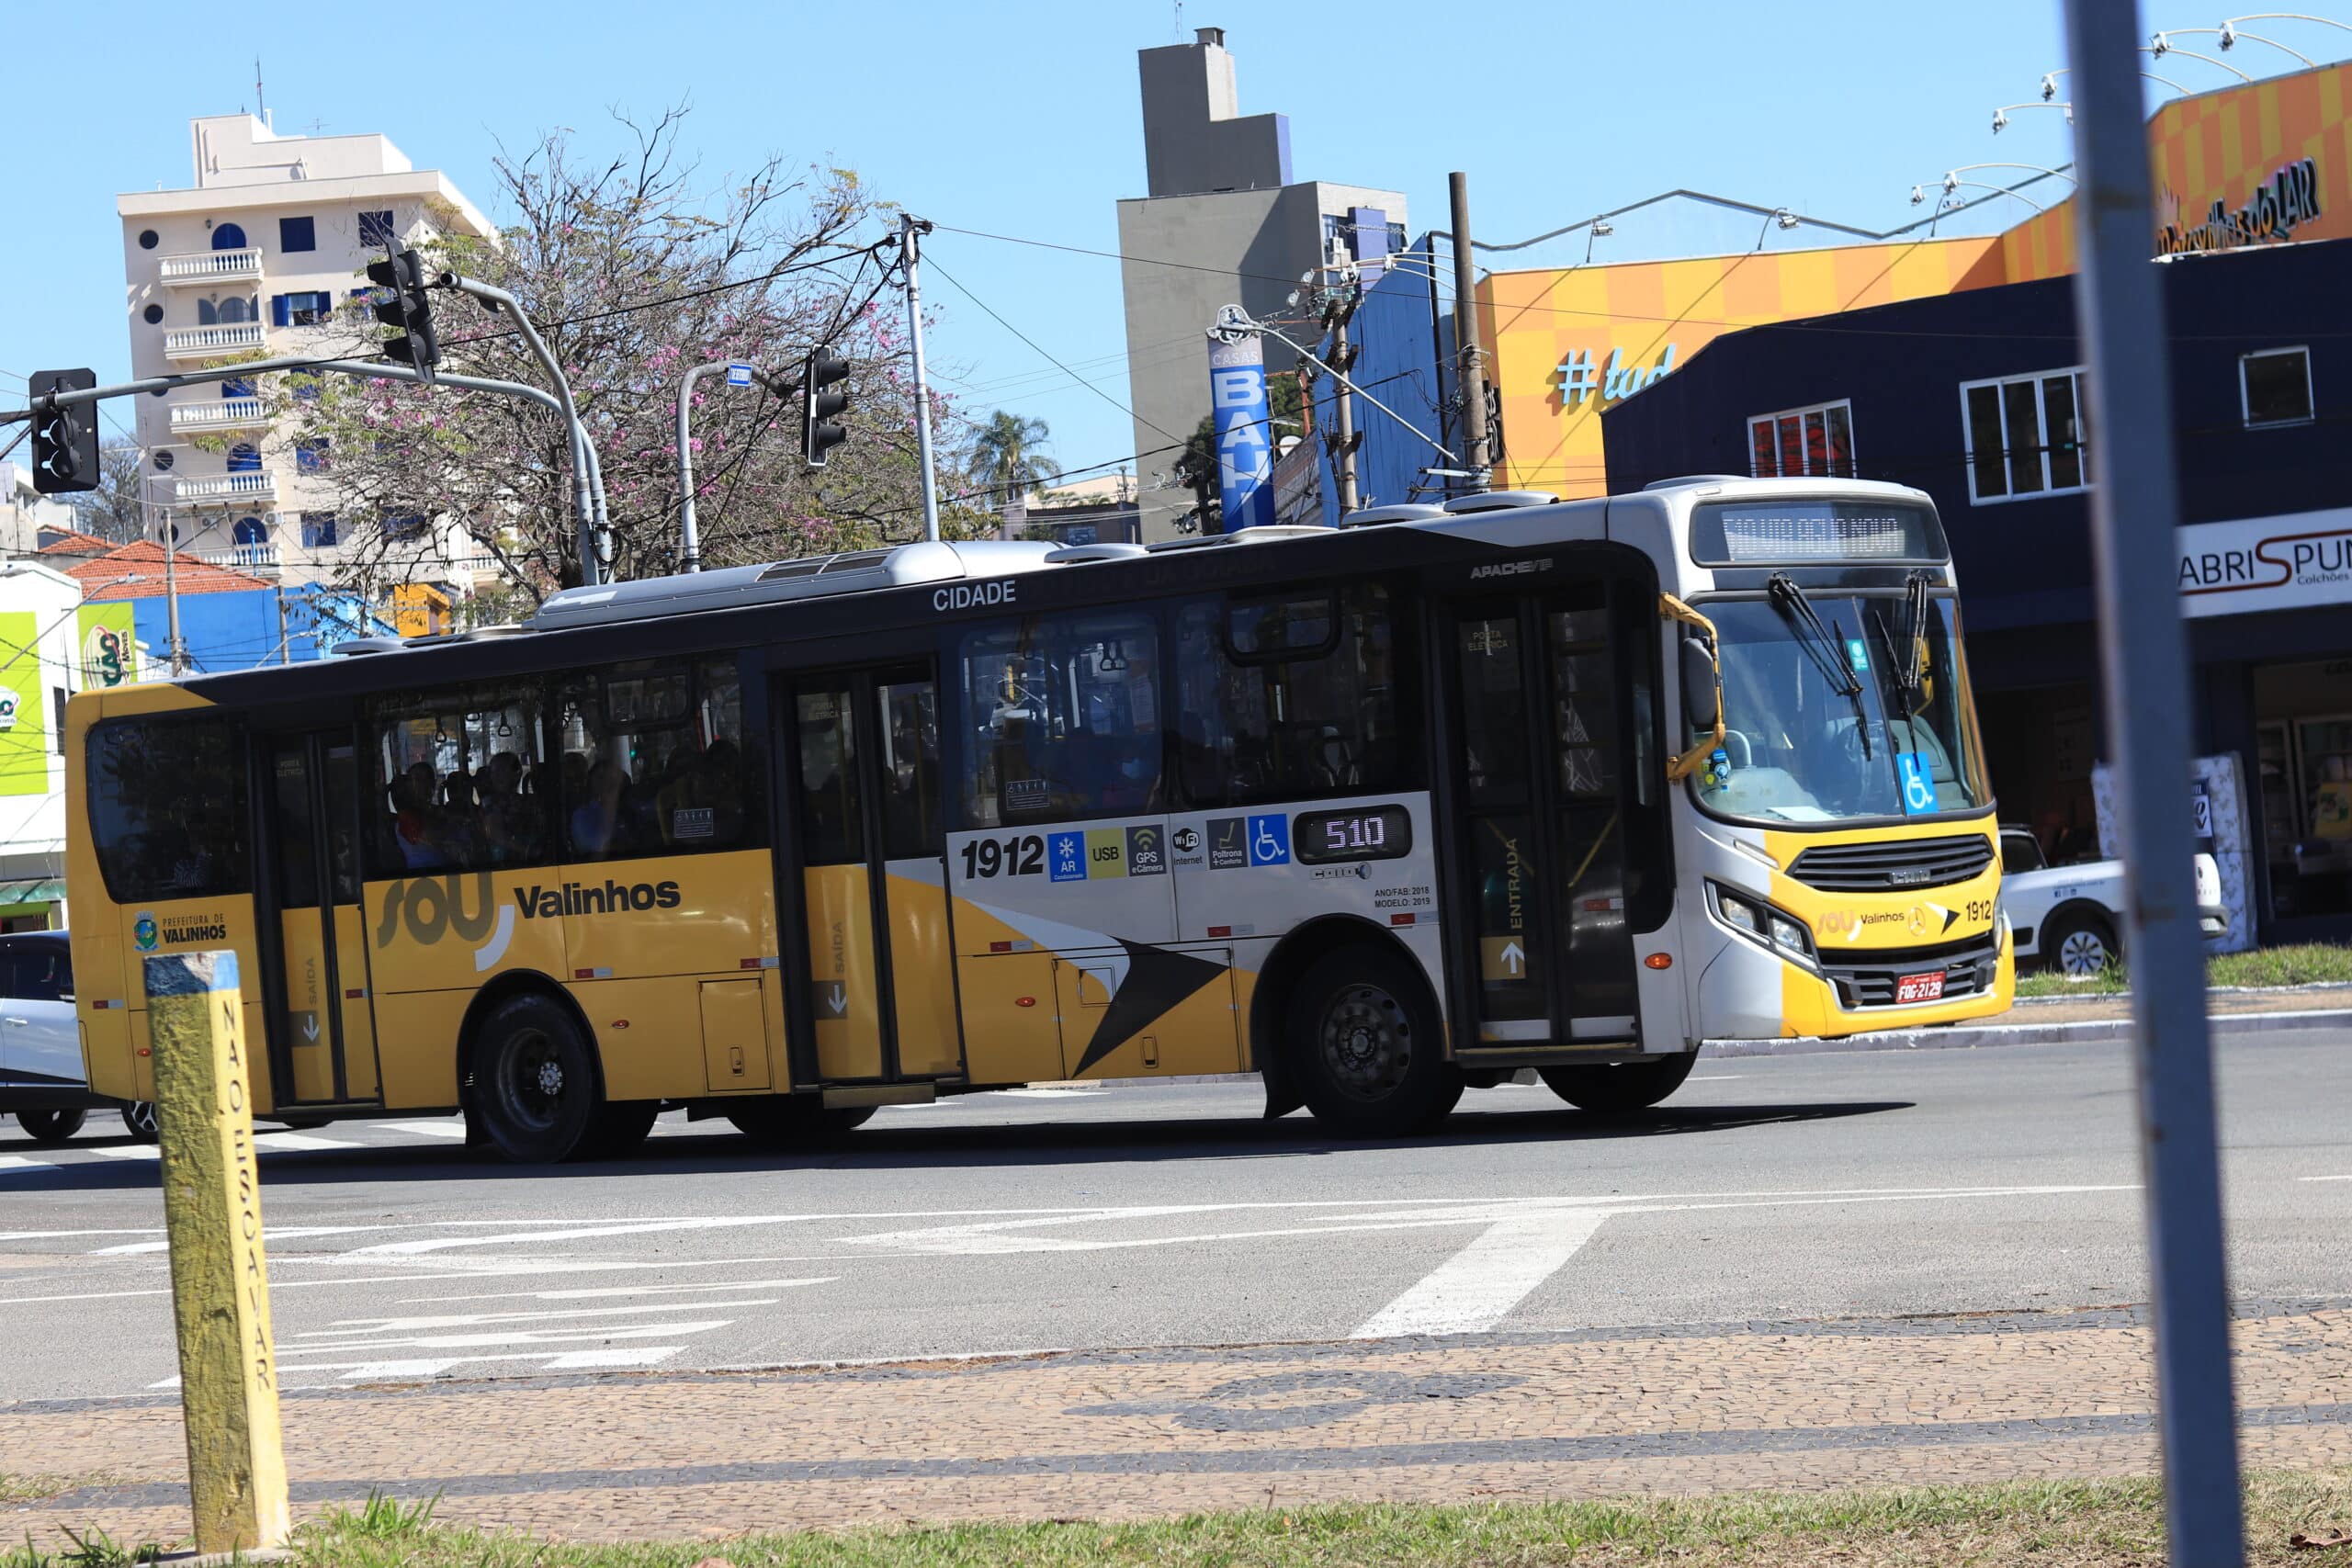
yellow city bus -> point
(1380, 812)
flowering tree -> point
(634, 273)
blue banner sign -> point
(1245, 450)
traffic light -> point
(402, 272)
(65, 440)
(819, 436)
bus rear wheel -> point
(1617, 1087)
(51, 1126)
(139, 1121)
(1366, 1048)
(535, 1082)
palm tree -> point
(1009, 452)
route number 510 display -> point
(1372, 832)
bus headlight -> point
(1761, 923)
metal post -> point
(175, 651)
(285, 644)
(587, 490)
(1344, 439)
(689, 537)
(1470, 374)
(910, 250)
(2144, 674)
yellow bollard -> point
(220, 1284)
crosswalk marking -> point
(127, 1151)
(17, 1165)
(301, 1141)
(428, 1129)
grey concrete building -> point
(1224, 221)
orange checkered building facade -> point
(1565, 343)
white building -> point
(257, 255)
(26, 514)
(43, 627)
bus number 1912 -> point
(1023, 855)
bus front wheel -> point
(1366, 1048)
(1618, 1086)
(535, 1082)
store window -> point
(2304, 766)
(2275, 387)
(2027, 435)
(1064, 718)
(1814, 443)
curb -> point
(2088, 1031)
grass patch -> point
(2067, 1524)
(33, 1488)
(2308, 964)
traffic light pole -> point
(689, 526)
(910, 253)
(2144, 665)
(587, 484)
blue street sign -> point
(738, 374)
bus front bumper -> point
(1748, 993)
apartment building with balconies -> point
(258, 255)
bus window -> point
(1289, 697)
(167, 808)
(464, 784)
(833, 823)
(909, 737)
(1063, 720)
(653, 760)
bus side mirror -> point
(1701, 694)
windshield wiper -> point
(1825, 648)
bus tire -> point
(1367, 1049)
(139, 1121)
(51, 1126)
(535, 1081)
(1616, 1088)
(620, 1129)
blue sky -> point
(1022, 118)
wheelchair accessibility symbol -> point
(1918, 783)
(1270, 840)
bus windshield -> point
(1871, 720)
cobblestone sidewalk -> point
(1122, 1433)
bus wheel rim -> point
(533, 1087)
(1366, 1042)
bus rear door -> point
(864, 786)
(322, 1026)
(1537, 819)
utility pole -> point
(910, 253)
(1470, 374)
(1338, 306)
(2144, 667)
(285, 644)
(176, 650)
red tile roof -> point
(136, 571)
(74, 543)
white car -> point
(2071, 917)
(41, 1077)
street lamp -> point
(2230, 32)
(2050, 79)
(2001, 115)
(2161, 45)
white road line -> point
(346, 1327)
(301, 1141)
(2323, 1179)
(270, 1233)
(1715, 1077)
(703, 1285)
(427, 1129)
(554, 1338)
(126, 1151)
(1479, 1285)
(17, 1165)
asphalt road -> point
(1879, 1183)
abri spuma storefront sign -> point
(2265, 563)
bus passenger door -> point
(325, 1029)
(867, 813)
(1538, 818)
